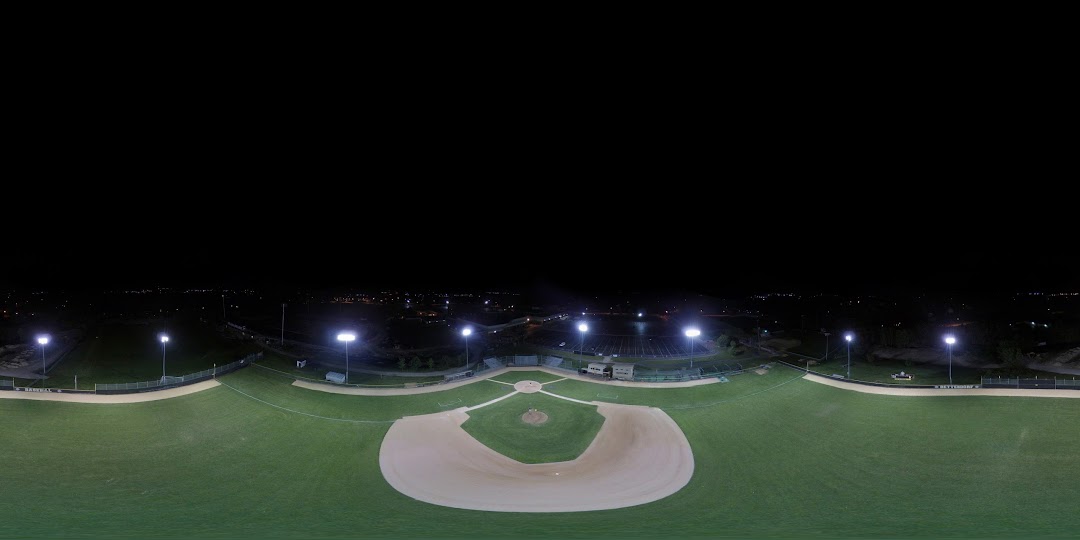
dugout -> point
(336, 377)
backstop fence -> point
(173, 382)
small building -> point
(336, 377)
(623, 372)
(599, 368)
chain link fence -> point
(173, 382)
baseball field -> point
(773, 454)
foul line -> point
(684, 407)
(500, 382)
(485, 404)
(569, 398)
(304, 413)
(555, 381)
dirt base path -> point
(114, 398)
(1023, 392)
(639, 455)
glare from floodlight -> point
(950, 340)
(466, 332)
(43, 340)
(639, 314)
(164, 339)
(848, 337)
(583, 327)
(346, 337)
(693, 332)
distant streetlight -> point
(950, 341)
(43, 340)
(164, 340)
(346, 337)
(848, 337)
(583, 328)
(466, 332)
(692, 333)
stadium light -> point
(583, 328)
(692, 333)
(466, 332)
(950, 341)
(639, 314)
(346, 337)
(43, 340)
(164, 340)
(848, 337)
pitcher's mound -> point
(534, 417)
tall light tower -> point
(692, 333)
(283, 325)
(223, 308)
(346, 337)
(466, 332)
(583, 328)
(43, 340)
(164, 340)
(949, 342)
(848, 337)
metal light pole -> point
(465, 332)
(164, 340)
(43, 340)
(223, 308)
(692, 333)
(346, 337)
(282, 325)
(583, 328)
(826, 346)
(950, 341)
(848, 338)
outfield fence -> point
(7, 385)
(173, 382)
(985, 382)
(1058, 384)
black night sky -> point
(835, 194)
(604, 241)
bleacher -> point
(552, 361)
(493, 363)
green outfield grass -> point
(775, 455)
(287, 365)
(569, 430)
